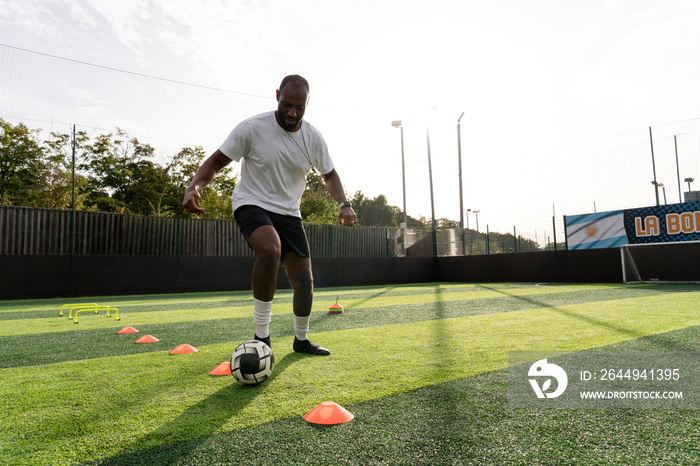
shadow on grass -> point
(181, 436)
(443, 358)
(587, 319)
(635, 334)
(386, 290)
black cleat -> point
(305, 346)
(265, 340)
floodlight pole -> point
(470, 243)
(653, 166)
(476, 213)
(678, 169)
(432, 197)
(72, 216)
(663, 188)
(399, 124)
(461, 197)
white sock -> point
(301, 327)
(262, 315)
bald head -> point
(296, 82)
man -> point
(277, 150)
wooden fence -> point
(33, 231)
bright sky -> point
(534, 79)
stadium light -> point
(657, 185)
(399, 124)
(689, 180)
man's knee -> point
(303, 283)
(300, 276)
(269, 251)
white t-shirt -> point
(274, 162)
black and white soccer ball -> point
(252, 362)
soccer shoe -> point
(265, 340)
(305, 346)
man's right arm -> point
(210, 167)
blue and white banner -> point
(657, 224)
(600, 230)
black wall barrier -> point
(48, 276)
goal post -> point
(677, 262)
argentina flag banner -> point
(596, 231)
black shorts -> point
(290, 229)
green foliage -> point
(317, 205)
(113, 173)
(21, 164)
(375, 212)
(216, 196)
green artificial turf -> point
(421, 367)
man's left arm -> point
(346, 216)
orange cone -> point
(128, 330)
(184, 349)
(222, 369)
(335, 308)
(147, 339)
(328, 413)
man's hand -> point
(204, 175)
(191, 200)
(347, 216)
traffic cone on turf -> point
(184, 349)
(222, 369)
(128, 330)
(328, 413)
(147, 339)
(335, 308)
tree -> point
(317, 205)
(216, 196)
(444, 223)
(21, 164)
(374, 212)
(58, 177)
(124, 178)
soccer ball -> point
(252, 362)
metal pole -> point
(399, 124)
(476, 212)
(461, 197)
(488, 240)
(653, 166)
(403, 174)
(72, 217)
(470, 241)
(678, 170)
(554, 225)
(432, 197)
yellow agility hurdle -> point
(96, 309)
(71, 306)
